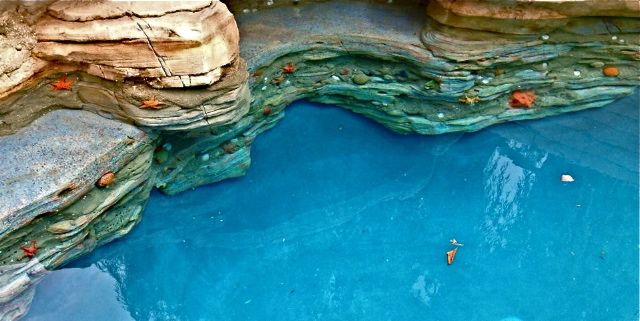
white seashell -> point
(566, 178)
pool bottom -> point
(340, 219)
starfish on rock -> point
(62, 84)
(469, 100)
(151, 103)
(289, 68)
(29, 252)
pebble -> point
(161, 156)
(360, 79)
(440, 115)
(576, 72)
(167, 146)
(544, 37)
(205, 157)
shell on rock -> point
(106, 179)
(610, 71)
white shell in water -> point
(566, 178)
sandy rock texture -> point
(165, 44)
(524, 17)
(169, 44)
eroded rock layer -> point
(410, 74)
(55, 197)
(158, 95)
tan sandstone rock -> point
(524, 17)
(16, 42)
(169, 44)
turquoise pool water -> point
(340, 219)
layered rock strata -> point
(51, 195)
(165, 99)
(414, 77)
(166, 44)
(409, 76)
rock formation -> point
(168, 95)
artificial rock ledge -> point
(450, 66)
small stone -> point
(440, 115)
(161, 156)
(614, 37)
(61, 227)
(167, 146)
(544, 37)
(360, 79)
(205, 157)
(576, 73)
(597, 64)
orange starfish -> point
(62, 84)
(30, 251)
(151, 103)
(524, 99)
(289, 68)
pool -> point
(341, 219)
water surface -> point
(340, 219)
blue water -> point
(340, 219)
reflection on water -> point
(506, 185)
(346, 221)
(91, 292)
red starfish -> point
(30, 251)
(62, 84)
(151, 103)
(289, 68)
